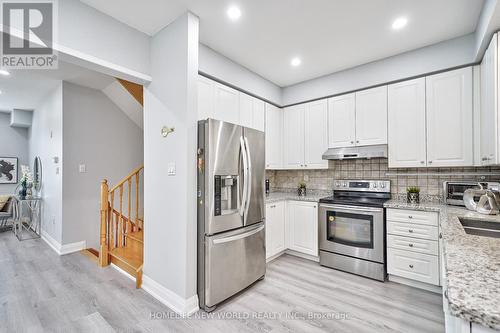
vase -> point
(302, 191)
(413, 198)
(22, 193)
(29, 191)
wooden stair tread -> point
(131, 256)
(137, 235)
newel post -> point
(103, 251)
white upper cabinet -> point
(294, 136)
(406, 124)
(259, 114)
(316, 134)
(342, 121)
(449, 118)
(274, 137)
(371, 116)
(488, 113)
(226, 104)
(306, 135)
(221, 102)
(206, 91)
(246, 110)
(252, 112)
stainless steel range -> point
(352, 227)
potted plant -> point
(302, 191)
(413, 194)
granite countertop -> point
(472, 264)
(283, 195)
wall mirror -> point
(37, 174)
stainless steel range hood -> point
(350, 153)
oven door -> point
(353, 231)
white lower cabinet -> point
(302, 222)
(275, 228)
(292, 225)
(412, 245)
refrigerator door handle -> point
(245, 176)
(239, 236)
(249, 183)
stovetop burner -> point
(368, 193)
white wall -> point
(45, 140)
(13, 143)
(98, 134)
(489, 22)
(94, 33)
(170, 201)
(217, 66)
(448, 54)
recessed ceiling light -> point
(399, 23)
(295, 62)
(4, 72)
(234, 13)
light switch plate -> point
(82, 168)
(171, 169)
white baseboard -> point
(416, 284)
(73, 247)
(62, 249)
(175, 302)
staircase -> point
(121, 233)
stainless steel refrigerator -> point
(231, 231)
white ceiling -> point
(328, 35)
(24, 89)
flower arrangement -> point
(26, 181)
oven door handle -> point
(353, 208)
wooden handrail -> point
(129, 176)
(116, 221)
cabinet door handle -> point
(357, 141)
(410, 231)
(422, 162)
(484, 159)
(411, 266)
(352, 142)
(305, 165)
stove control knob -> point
(344, 184)
(374, 185)
(337, 184)
(382, 185)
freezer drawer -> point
(233, 261)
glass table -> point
(27, 217)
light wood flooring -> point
(42, 292)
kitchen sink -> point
(480, 227)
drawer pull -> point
(410, 217)
(410, 231)
(411, 266)
(410, 245)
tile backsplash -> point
(377, 169)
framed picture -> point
(8, 170)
